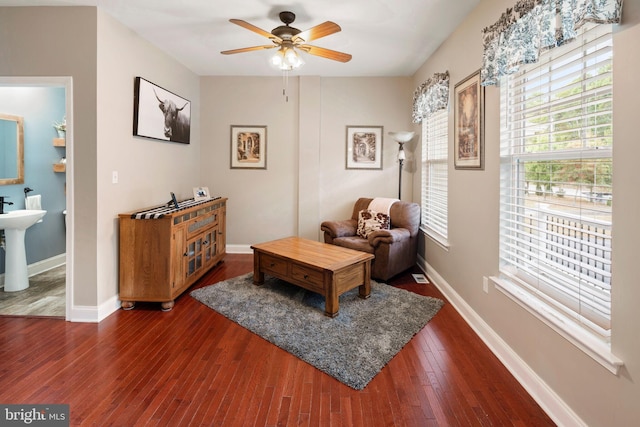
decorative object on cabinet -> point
(201, 193)
(160, 114)
(248, 147)
(468, 130)
(364, 147)
(164, 250)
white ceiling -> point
(385, 37)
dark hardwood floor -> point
(192, 366)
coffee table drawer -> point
(273, 265)
(307, 275)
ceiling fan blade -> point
(251, 27)
(314, 33)
(326, 53)
(248, 49)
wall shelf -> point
(59, 142)
(59, 167)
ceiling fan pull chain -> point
(285, 77)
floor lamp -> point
(401, 137)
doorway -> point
(45, 102)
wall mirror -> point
(11, 149)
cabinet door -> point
(210, 245)
(198, 252)
(177, 258)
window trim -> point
(578, 336)
(521, 292)
(433, 234)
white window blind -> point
(556, 179)
(434, 174)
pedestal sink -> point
(14, 224)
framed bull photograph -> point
(160, 114)
(248, 147)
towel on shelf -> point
(33, 203)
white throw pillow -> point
(370, 221)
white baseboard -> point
(93, 314)
(239, 249)
(550, 402)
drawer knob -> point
(306, 276)
(273, 264)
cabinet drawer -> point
(197, 225)
(307, 275)
(273, 265)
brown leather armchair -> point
(395, 249)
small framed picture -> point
(364, 147)
(201, 193)
(248, 147)
(468, 137)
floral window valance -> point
(532, 26)
(431, 96)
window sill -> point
(436, 237)
(593, 346)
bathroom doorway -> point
(45, 103)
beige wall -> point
(596, 396)
(305, 181)
(64, 45)
(103, 58)
(148, 169)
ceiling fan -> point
(287, 39)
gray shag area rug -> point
(352, 347)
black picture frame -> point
(160, 114)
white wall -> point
(305, 181)
(148, 169)
(593, 394)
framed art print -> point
(248, 147)
(160, 114)
(468, 136)
(364, 147)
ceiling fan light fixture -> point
(292, 58)
(286, 59)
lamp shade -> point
(402, 136)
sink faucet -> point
(2, 203)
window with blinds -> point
(434, 175)
(556, 180)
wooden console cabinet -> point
(163, 251)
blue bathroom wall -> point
(40, 107)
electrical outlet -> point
(485, 284)
(114, 177)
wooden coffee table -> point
(328, 270)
